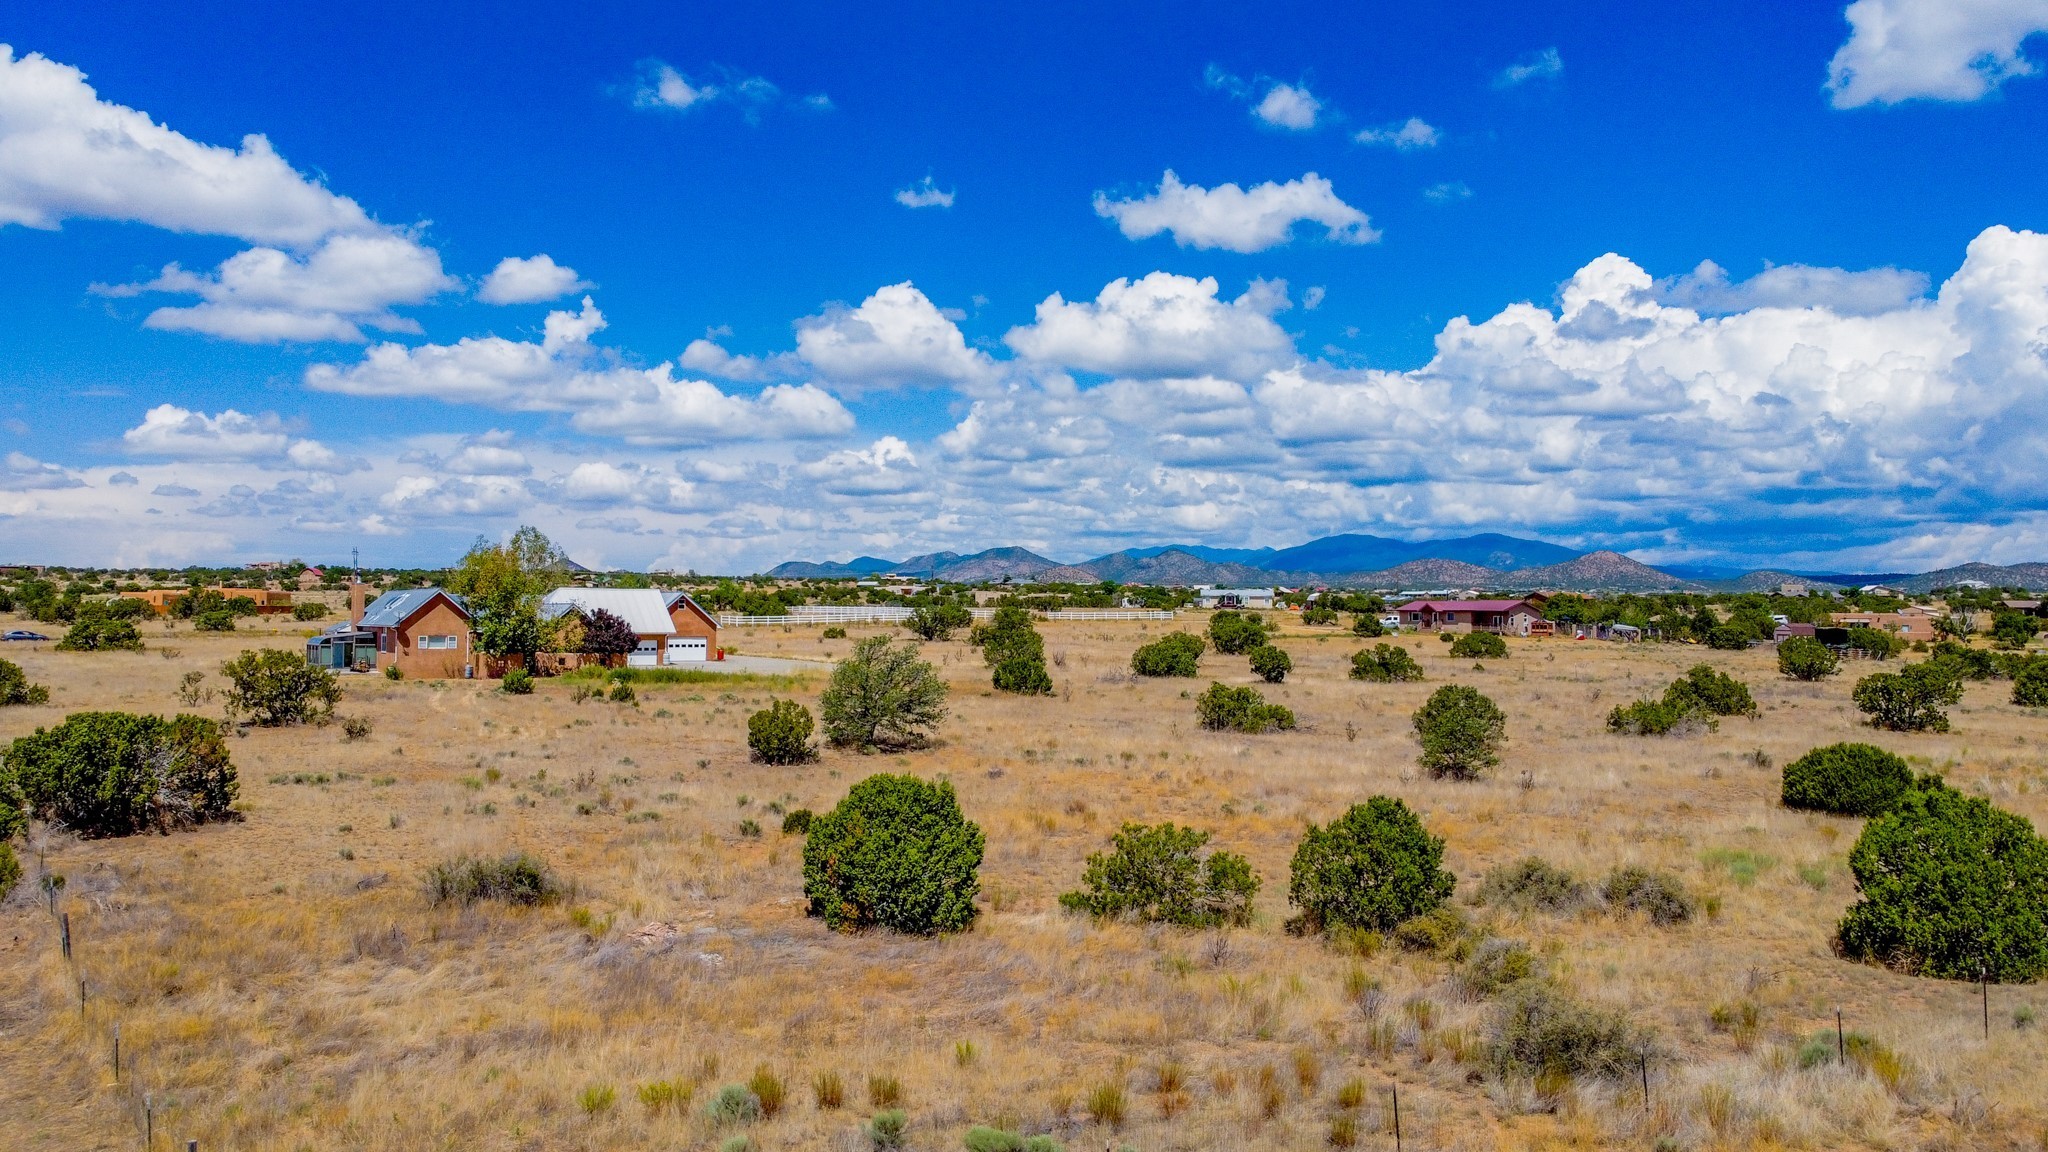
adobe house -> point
(163, 600)
(424, 632)
(696, 635)
(1507, 617)
(1908, 623)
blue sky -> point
(1074, 278)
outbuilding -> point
(645, 611)
(696, 631)
(1235, 597)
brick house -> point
(696, 631)
(425, 632)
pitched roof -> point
(395, 608)
(1460, 605)
(644, 610)
(671, 599)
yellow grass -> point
(273, 994)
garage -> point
(688, 650)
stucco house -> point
(423, 632)
(1508, 617)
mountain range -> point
(1485, 561)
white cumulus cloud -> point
(529, 280)
(1957, 50)
(925, 194)
(1233, 218)
(1289, 106)
(896, 336)
(1160, 325)
(1865, 293)
(176, 433)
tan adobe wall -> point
(439, 619)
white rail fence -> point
(814, 614)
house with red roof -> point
(1507, 617)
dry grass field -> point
(283, 982)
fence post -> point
(66, 921)
(1644, 1057)
(1984, 985)
(1841, 1042)
(148, 1120)
(1397, 1116)
(117, 1053)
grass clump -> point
(1385, 664)
(829, 1090)
(734, 1104)
(1174, 654)
(771, 1090)
(1108, 1105)
(1480, 646)
(1951, 887)
(1371, 868)
(1846, 779)
(1156, 873)
(1660, 896)
(896, 853)
(1538, 1030)
(1532, 883)
(981, 1138)
(517, 878)
(1460, 730)
(660, 1096)
(1240, 709)
(780, 733)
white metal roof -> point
(644, 610)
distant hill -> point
(1255, 557)
(1423, 574)
(1770, 579)
(1600, 571)
(2030, 576)
(1361, 553)
(994, 564)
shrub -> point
(983, 1139)
(1804, 658)
(780, 733)
(1952, 888)
(834, 633)
(278, 687)
(10, 870)
(1498, 964)
(100, 634)
(1234, 633)
(622, 693)
(733, 1104)
(217, 620)
(516, 878)
(1460, 730)
(1913, 699)
(1716, 693)
(15, 688)
(1539, 1030)
(882, 697)
(1658, 895)
(1967, 663)
(1367, 626)
(1239, 709)
(2030, 685)
(393, 672)
(1657, 718)
(1371, 868)
(309, 610)
(885, 1130)
(1157, 873)
(113, 773)
(1877, 644)
(937, 621)
(1271, 664)
(356, 728)
(1443, 932)
(1532, 883)
(1174, 654)
(1480, 646)
(897, 854)
(798, 822)
(2012, 630)
(1023, 673)
(1317, 617)
(1728, 638)
(1846, 779)
(1385, 664)
(517, 682)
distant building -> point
(163, 600)
(1235, 597)
(1784, 632)
(1908, 623)
(1508, 617)
(310, 579)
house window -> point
(447, 642)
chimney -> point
(355, 603)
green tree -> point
(1235, 633)
(1367, 626)
(1846, 779)
(938, 621)
(1385, 664)
(503, 585)
(1174, 654)
(1371, 868)
(276, 687)
(896, 853)
(1715, 693)
(113, 774)
(1877, 644)
(15, 688)
(1951, 888)
(1157, 873)
(100, 634)
(218, 620)
(1271, 664)
(1916, 698)
(2030, 684)
(780, 733)
(1804, 658)
(2012, 630)
(1015, 652)
(882, 697)
(309, 610)
(1460, 731)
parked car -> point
(23, 634)
(1391, 622)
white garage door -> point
(643, 655)
(688, 650)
